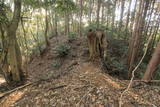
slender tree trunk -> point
(56, 27)
(25, 45)
(114, 11)
(46, 27)
(98, 10)
(2, 35)
(128, 14)
(65, 32)
(50, 24)
(133, 16)
(150, 16)
(90, 12)
(102, 17)
(25, 39)
(131, 28)
(80, 18)
(107, 16)
(121, 16)
(154, 35)
(66, 23)
(135, 38)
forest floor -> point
(73, 81)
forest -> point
(79, 53)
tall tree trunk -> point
(121, 15)
(80, 18)
(114, 13)
(152, 4)
(14, 57)
(102, 17)
(128, 14)
(2, 35)
(46, 27)
(56, 27)
(90, 12)
(98, 10)
(65, 30)
(25, 45)
(151, 68)
(135, 39)
(67, 23)
(133, 16)
(153, 33)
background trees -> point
(130, 22)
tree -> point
(80, 18)
(151, 68)
(128, 14)
(90, 11)
(136, 36)
(46, 27)
(98, 10)
(121, 15)
(12, 54)
(66, 7)
(113, 16)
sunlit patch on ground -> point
(12, 99)
(2, 80)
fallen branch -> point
(18, 88)
(21, 87)
(61, 86)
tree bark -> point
(121, 15)
(46, 28)
(56, 27)
(98, 10)
(14, 57)
(133, 16)
(102, 17)
(135, 41)
(114, 10)
(66, 23)
(151, 68)
(90, 12)
(128, 14)
(80, 18)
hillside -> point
(73, 81)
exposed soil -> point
(76, 82)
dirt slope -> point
(76, 82)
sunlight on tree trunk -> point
(14, 58)
(151, 68)
(134, 44)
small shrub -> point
(62, 49)
(157, 73)
(56, 65)
(119, 65)
(72, 36)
